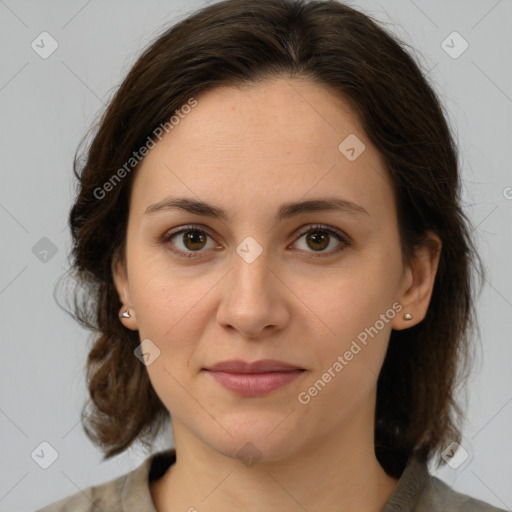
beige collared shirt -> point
(417, 491)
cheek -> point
(163, 316)
(166, 316)
(164, 296)
(355, 301)
(358, 308)
(346, 378)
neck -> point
(337, 472)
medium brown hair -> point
(235, 42)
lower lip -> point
(254, 384)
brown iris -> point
(194, 239)
(318, 238)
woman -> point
(269, 229)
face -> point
(305, 288)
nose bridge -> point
(251, 267)
(251, 301)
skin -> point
(248, 150)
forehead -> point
(252, 146)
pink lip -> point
(254, 379)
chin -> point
(250, 451)
(263, 438)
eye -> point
(319, 237)
(189, 240)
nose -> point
(254, 299)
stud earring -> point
(407, 316)
(125, 314)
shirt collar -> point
(136, 494)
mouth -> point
(254, 379)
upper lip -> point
(261, 366)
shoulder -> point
(440, 496)
(106, 496)
(419, 491)
(126, 492)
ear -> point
(418, 283)
(120, 277)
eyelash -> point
(339, 235)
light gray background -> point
(48, 104)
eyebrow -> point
(285, 211)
